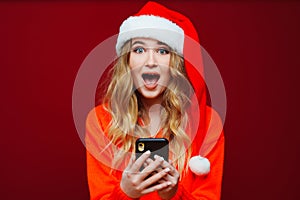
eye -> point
(163, 51)
(139, 50)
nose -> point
(151, 60)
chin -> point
(151, 94)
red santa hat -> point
(157, 22)
(176, 30)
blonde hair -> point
(123, 103)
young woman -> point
(154, 92)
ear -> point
(199, 165)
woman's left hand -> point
(172, 178)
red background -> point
(255, 44)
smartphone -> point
(157, 146)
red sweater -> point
(105, 185)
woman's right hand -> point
(134, 183)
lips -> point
(150, 79)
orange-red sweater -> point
(104, 185)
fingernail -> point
(159, 157)
(169, 183)
(147, 152)
(167, 169)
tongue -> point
(150, 81)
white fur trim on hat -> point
(150, 26)
(199, 165)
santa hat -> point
(151, 26)
(157, 22)
(176, 30)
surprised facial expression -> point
(149, 62)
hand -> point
(171, 179)
(133, 182)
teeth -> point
(150, 76)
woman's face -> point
(149, 62)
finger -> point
(163, 179)
(152, 167)
(140, 161)
(154, 178)
(173, 171)
(145, 165)
(155, 187)
(131, 161)
(149, 161)
(165, 164)
(160, 168)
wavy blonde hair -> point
(123, 103)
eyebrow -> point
(162, 43)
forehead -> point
(147, 42)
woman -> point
(153, 92)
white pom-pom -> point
(199, 165)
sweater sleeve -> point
(103, 184)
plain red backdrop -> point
(255, 44)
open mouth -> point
(150, 79)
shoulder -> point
(99, 114)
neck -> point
(153, 111)
(152, 105)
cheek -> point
(135, 77)
(166, 74)
(131, 61)
(167, 62)
(163, 61)
(134, 61)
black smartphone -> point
(157, 146)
